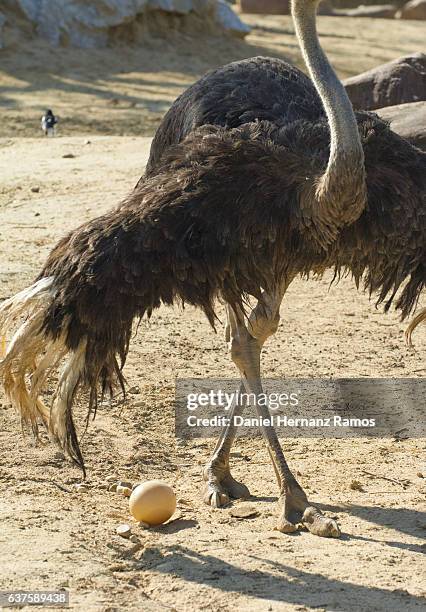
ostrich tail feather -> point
(419, 318)
(31, 356)
(19, 359)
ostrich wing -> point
(256, 89)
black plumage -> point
(255, 89)
(225, 211)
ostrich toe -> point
(296, 510)
(221, 487)
(320, 525)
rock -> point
(380, 11)
(126, 491)
(170, 6)
(111, 478)
(407, 120)
(124, 531)
(244, 511)
(2, 22)
(81, 488)
(420, 475)
(325, 8)
(398, 82)
(68, 156)
(94, 24)
(267, 7)
(35, 189)
(229, 21)
(112, 488)
(415, 9)
(126, 484)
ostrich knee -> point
(245, 353)
(263, 326)
(265, 317)
(246, 343)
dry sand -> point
(125, 90)
(52, 536)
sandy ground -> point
(125, 90)
(52, 536)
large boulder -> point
(90, 24)
(229, 21)
(398, 82)
(415, 9)
(407, 120)
(379, 11)
(2, 22)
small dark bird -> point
(257, 175)
(48, 122)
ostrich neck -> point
(342, 187)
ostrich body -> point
(256, 89)
(237, 201)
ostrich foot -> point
(221, 486)
(295, 509)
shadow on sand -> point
(275, 581)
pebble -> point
(244, 512)
(87, 142)
(35, 189)
(134, 539)
(111, 479)
(112, 488)
(124, 531)
(68, 156)
(125, 483)
(81, 488)
(420, 475)
(126, 491)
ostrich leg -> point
(245, 351)
(220, 485)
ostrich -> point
(275, 180)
